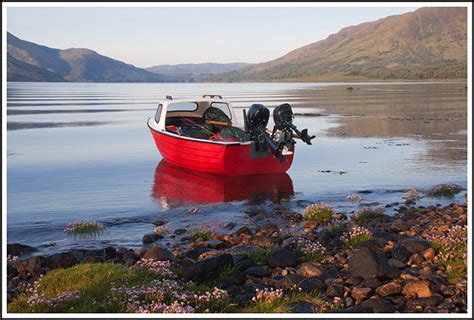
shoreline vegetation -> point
(320, 261)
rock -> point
(289, 281)
(258, 271)
(180, 231)
(335, 290)
(394, 263)
(400, 225)
(371, 244)
(151, 237)
(159, 253)
(388, 289)
(62, 260)
(417, 289)
(263, 241)
(110, 253)
(196, 252)
(309, 285)
(309, 226)
(18, 249)
(213, 244)
(32, 267)
(429, 254)
(367, 264)
(416, 304)
(93, 259)
(239, 257)
(330, 272)
(310, 269)
(230, 225)
(401, 254)
(226, 282)
(353, 281)
(425, 273)
(348, 302)
(372, 283)
(360, 294)
(415, 259)
(282, 258)
(209, 267)
(158, 222)
(415, 245)
(245, 264)
(243, 231)
(374, 305)
(301, 306)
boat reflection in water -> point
(174, 187)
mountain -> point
(197, 70)
(429, 43)
(27, 61)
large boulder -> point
(159, 253)
(208, 268)
(62, 260)
(282, 258)
(408, 247)
(301, 306)
(32, 267)
(367, 264)
(18, 249)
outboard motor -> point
(283, 118)
(256, 125)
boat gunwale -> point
(173, 135)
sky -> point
(148, 36)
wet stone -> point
(152, 237)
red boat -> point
(202, 134)
(203, 187)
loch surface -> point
(82, 151)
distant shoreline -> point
(342, 81)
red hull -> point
(177, 186)
(229, 160)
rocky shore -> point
(364, 262)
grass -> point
(319, 212)
(204, 234)
(280, 305)
(355, 236)
(368, 214)
(227, 271)
(451, 249)
(336, 228)
(80, 227)
(259, 256)
(92, 280)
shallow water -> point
(82, 151)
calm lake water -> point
(82, 151)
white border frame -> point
(6, 5)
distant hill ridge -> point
(28, 61)
(429, 43)
(197, 69)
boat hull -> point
(222, 159)
(175, 186)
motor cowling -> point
(257, 118)
(283, 118)
(256, 121)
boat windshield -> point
(224, 107)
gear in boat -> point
(203, 134)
